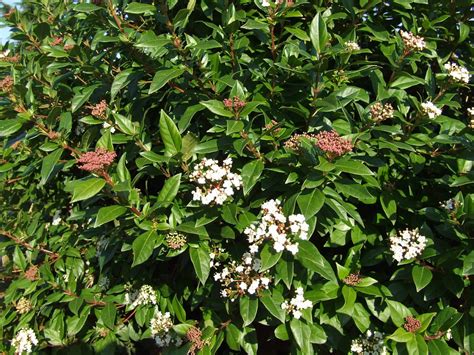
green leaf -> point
(250, 174)
(108, 214)
(170, 135)
(234, 126)
(86, 8)
(310, 257)
(48, 164)
(9, 126)
(189, 143)
(269, 257)
(353, 167)
(318, 34)
(232, 337)
(162, 77)
(468, 264)
(84, 189)
(120, 81)
(19, 259)
(81, 97)
(170, 189)
(389, 206)
(349, 296)
(421, 277)
(201, 261)
(398, 312)
(299, 33)
(249, 341)
(401, 336)
(281, 332)
(358, 191)
(125, 124)
(417, 345)
(108, 315)
(425, 320)
(318, 335)
(272, 303)
(217, 107)
(248, 309)
(302, 334)
(140, 9)
(143, 247)
(310, 202)
(405, 81)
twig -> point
(27, 245)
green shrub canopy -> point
(222, 177)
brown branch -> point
(130, 316)
(437, 335)
(27, 245)
(114, 15)
(93, 303)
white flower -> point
(412, 42)
(217, 183)
(107, 125)
(449, 334)
(276, 227)
(371, 343)
(5, 53)
(470, 112)
(431, 109)
(297, 304)
(56, 218)
(146, 295)
(265, 3)
(457, 73)
(351, 46)
(407, 245)
(245, 278)
(161, 327)
(24, 340)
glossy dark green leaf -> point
(108, 214)
(201, 262)
(48, 164)
(143, 247)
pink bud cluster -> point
(96, 161)
(99, 109)
(57, 41)
(235, 104)
(333, 144)
(6, 84)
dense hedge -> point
(237, 176)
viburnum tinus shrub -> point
(223, 177)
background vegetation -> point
(93, 256)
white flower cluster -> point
(24, 341)
(146, 295)
(372, 343)
(56, 218)
(470, 113)
(275, 226)
(216, 183)
(107, 125)
(240, 279)
(457, 73)
(161, 328)
(412, 42)
(430, 109)
(352, 46)
(266, 3)
(297, 304)
(407, 245)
